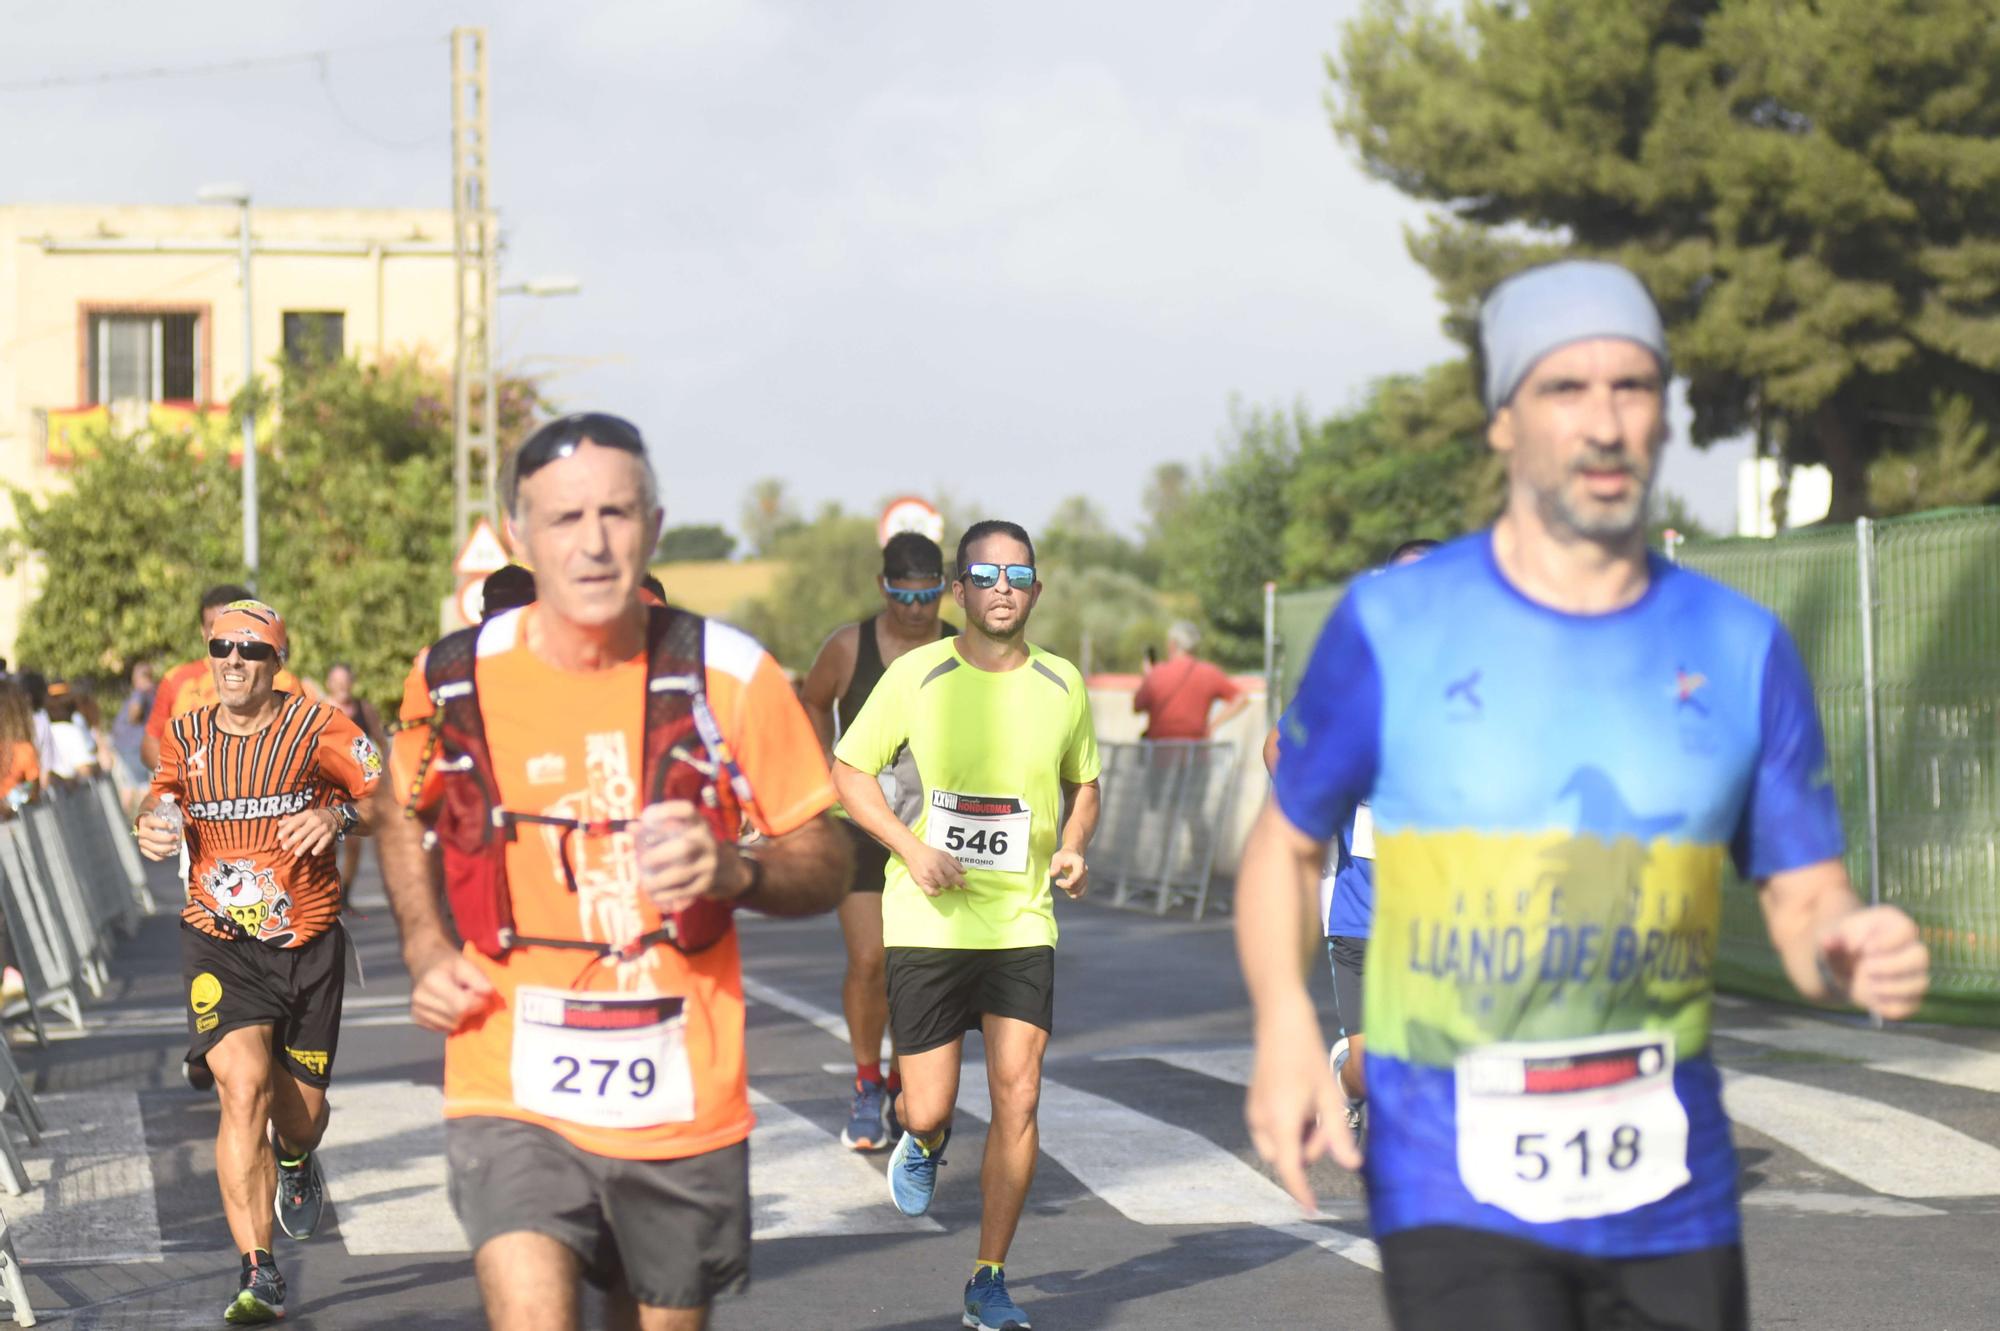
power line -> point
(155, 72)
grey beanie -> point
(1542, 309)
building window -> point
(144, 357)
(315, 337)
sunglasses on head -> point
(1019, 576)
(564, 435)
(913, 595)
(220, 648)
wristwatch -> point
(349, 817)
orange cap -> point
(252, 621)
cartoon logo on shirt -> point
(252, 898)
(368, 758)
(1686, 685)
(1461, 698)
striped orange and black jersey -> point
(236, 790)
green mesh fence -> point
(1937, 696)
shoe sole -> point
(896, 1159)
(978, 1325)
(248, 1310)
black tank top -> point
(868, 670)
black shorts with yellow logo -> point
(296, 991)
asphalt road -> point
(1871, 1163)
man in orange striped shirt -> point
(265, 784)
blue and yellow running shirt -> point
(1553, 796)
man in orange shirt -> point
(596, 1096)
(190, 685)
(262, 786)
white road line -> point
(93, 1195)
(1836, 1203)
(1877, 1145)
(1894, 1051)
(1232, 1064)
(803, 1182)
(1153, 1172)
(385, 1170)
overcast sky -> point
(1013, 252)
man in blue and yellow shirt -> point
(1561, 737)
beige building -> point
(135, 313)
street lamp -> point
(239, 195)
(543, 286)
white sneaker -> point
(1338, 1060)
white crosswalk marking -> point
(385, 1171)
(1886, 1051)
(92, 1199)
(1150, 1171)
(1153, 1172)
(1877, 1145)
(804, 1182)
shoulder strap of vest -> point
(676, 664)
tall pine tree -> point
(1811, 188)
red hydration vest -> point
(684, 758)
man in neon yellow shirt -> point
(1001, 735)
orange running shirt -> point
(191, 685)
(236, 789)
(569, 744)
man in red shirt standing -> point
(1177, 694)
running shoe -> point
(262, 1296)
(301, 1194)
(198, 1076)
(913, 1173)
(988, 1305)
(868, 1120)
(1339, 1060)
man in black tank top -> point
(843, 674)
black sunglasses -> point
(562, 437)
(220, 648)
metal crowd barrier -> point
(1163, 802)
(71, 882)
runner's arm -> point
(1835, 950)
(1294, 1110)
(869, 810)
(832, 671)
(1084, 803)
(805, 871)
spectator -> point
(20, 759)
(128, 729)
(72, 741)
(1178, 694)
(37, 689)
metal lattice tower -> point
(475, 246)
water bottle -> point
(169, 811)
(655, 827)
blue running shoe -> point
(988, 1305)
(868, 1120)
(913, 1174)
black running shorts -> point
(937, 994)
(1349, 958)
(871, 860)
(672, 1233)
(1439, 1278)
(296, 991)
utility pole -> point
(475, 244)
